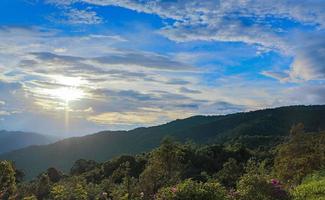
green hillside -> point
(253, 128)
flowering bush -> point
(257, 187)
(191, 190)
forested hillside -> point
(258, 129)
(292, 170)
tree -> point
(79, 192)
(72, 188)
(82, 166)
(230, 173)
(19, 175)
(54, 175)
(301, 155)
(7, 180)
(43, 190)
(164, 167)
(59, 192)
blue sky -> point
(72, 67)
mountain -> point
(13, 140)
(256, 127)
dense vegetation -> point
(256, 130)
(293, 169)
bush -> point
(255, 187)
(312, 188)
(192, 190)
(255, 184)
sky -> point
(74, 67)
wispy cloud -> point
(77, 17)
(243, 21)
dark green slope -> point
(12, 140)
(250, 126)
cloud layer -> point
(118, 87)
(203, 58)
(249, 21)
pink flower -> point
(174, 189)
(275, 182)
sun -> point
(69, 90)
(67, 94)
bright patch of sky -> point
(72, 67)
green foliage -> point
(312, 188)
(176, 171)
(79, 192)
(301, 155)
(59, 192)
(73, 188)
(93, 191)
(27, 189)
(230, 173)
(192, 190)
(164, 167)
(256, 184)
(19, 176)
(81, 166)
(136, 166)
(210, 158)
(54, 175)
(7, 180)
(43, 190)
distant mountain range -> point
(13, 140)
(263, 127)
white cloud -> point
(281, 76)
(249, 21)
(60, 50)
(139, 118)
(4, 113)
(76, 16)
(309, 57)
(307, 94)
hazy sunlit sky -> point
(72, 67)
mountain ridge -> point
(14, 140)
(267, 125)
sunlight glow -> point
(64, 91)
(67, 93)
(69, 81)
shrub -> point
(192, 190)
(255, 184)
(255, 187)
(312, 188)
